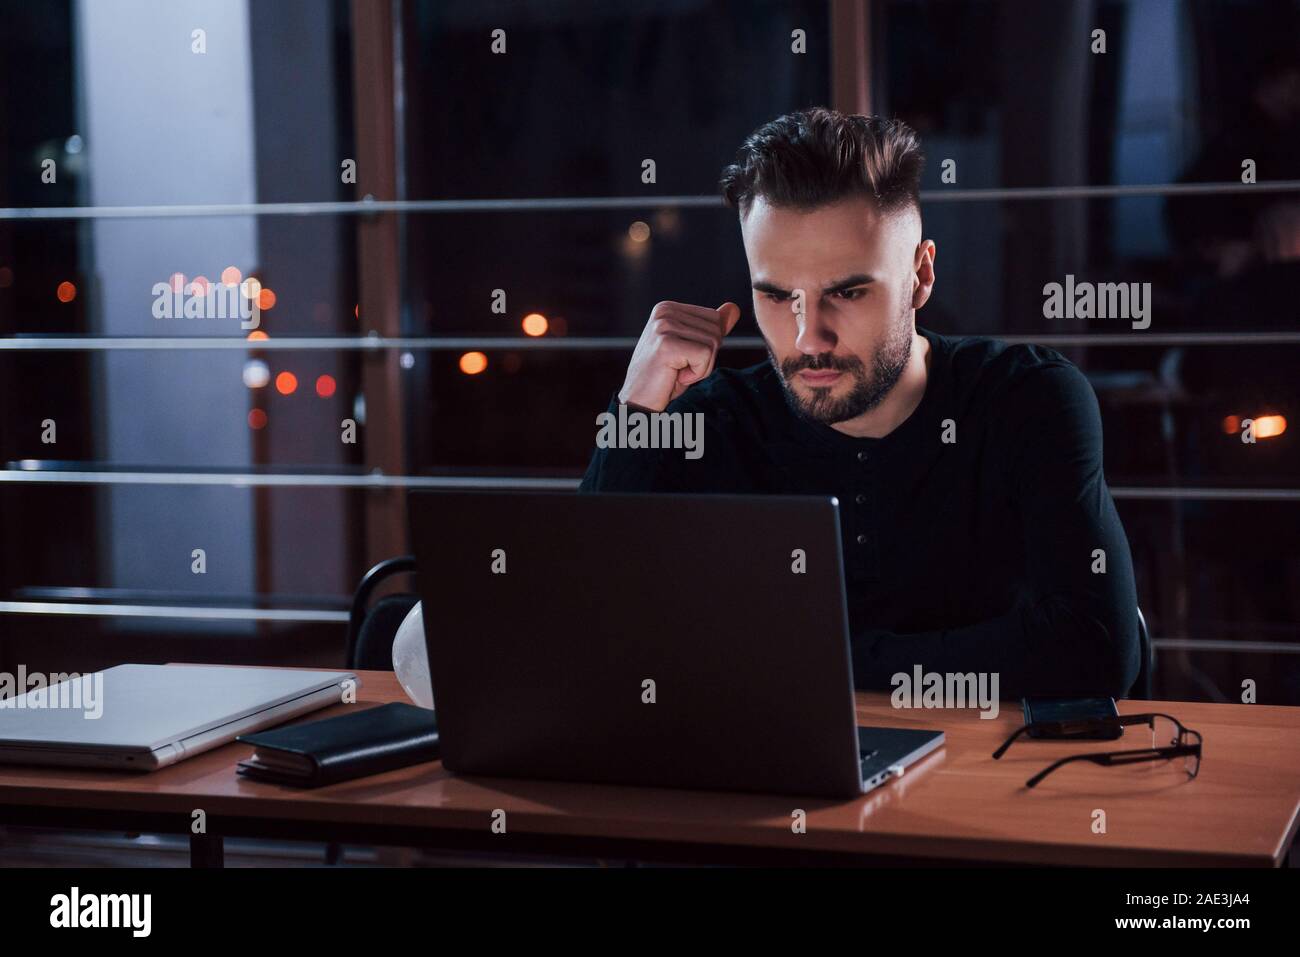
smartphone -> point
(1072, 709)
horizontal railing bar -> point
(332, 343)
(361, 207)
(251, 479)
(594, 343)
(217, 613)
(204, 612)
(162, 596)
(579, 203)
(1104, 192)
(254, 480)
(1208, 494)
(1193, 644)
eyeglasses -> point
(1169, 739)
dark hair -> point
(817, 156)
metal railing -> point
(371, 207)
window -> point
(205, 489)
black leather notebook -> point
(337, 749)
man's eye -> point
(776, 296)
(851, 294)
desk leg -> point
(207, 850)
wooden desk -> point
(956, 805)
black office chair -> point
(1142, 687)
(371, 630)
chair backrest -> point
(1142, 687)
(371, 629)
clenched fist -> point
(676, 350)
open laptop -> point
(659, 640)
(143, 717)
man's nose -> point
(815, 335)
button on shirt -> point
(970, 533)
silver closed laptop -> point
(143, 717)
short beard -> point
(869, 389)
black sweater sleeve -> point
(667, 470)
(629, 470)
(1076, 632)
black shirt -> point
(975, 554)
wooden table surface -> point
(956, 804)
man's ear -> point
(923, 273)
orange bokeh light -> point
(177, 281)
(265, 298)
(535, 324)
(231, 276)
(1263, 426)
(66, 292)
(257, 419)
(258, 334)
(356, 310)
(200, 285)
(325, 386)
(472, 363)
(1269, 426)
(286, 383)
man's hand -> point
(677, 349)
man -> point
(978, 531)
